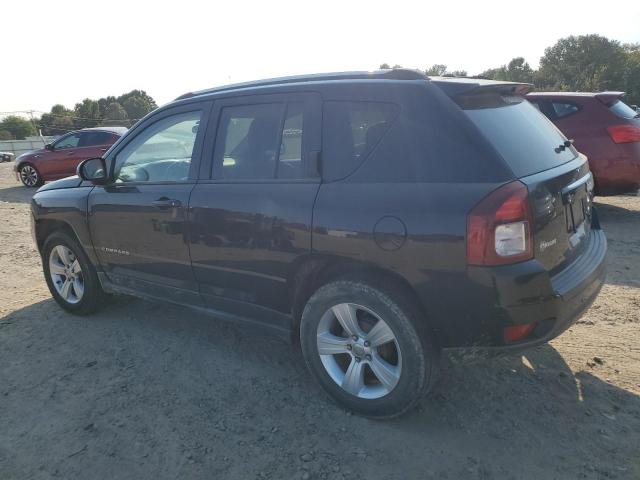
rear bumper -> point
(525, 293)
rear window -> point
(562, 109)
(623, 110)
(351, 130)
(524, 137)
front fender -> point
(63, 208)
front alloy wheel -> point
(71, 277)
(66, 274)
(29, 176)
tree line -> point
(107, 111)
(586, 63)
(575, 63)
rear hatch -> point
(558, 178)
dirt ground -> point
(150, 391)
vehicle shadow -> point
(17, 194)
(622, 228)
(147, 390)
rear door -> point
(251, 212)
(557, 176)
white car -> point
(6, 156)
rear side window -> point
(623, 110)
(350, 131)
(88, 139)
(524, 137)
(262, 141)
(561, 109)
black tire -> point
(25, 179)
(93, 296)
(420, 357)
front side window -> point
(563, 109)
(262, 141)
(160, 153)
(70, 141)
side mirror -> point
(48, 146)
(94, 170)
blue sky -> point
(92, 49)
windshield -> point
(524, 137)
(623, 110)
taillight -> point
(624, 133)
(499, 228)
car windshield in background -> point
(623, 110)
(524, 137)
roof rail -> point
(390, 74)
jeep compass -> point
(380, 218)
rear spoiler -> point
(455, 87)
(608, 98)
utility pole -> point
(30, 112)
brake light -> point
(624, 133)
(518, 332)
(499, 228)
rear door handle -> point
(104, 149)
(166, 203)
(70, 153)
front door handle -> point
(70, 153)
(166, 203)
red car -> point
(602, 127)
(60, 158)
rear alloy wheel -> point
(368, 346)
(30, 176)
(359, 351)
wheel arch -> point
(316, 271)
(46, 226)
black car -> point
(380, 217)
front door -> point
(138, 223)
(61, 160)
(251, 221)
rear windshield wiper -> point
(563, 146)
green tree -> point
(58, 121)
(137, 103)
(436, 70)
(18, 127)
(631, 78)
(384, 66)
(583, 63)
(5, 135)
(517, 70)
(87, 113)
(115, 115)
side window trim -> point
(312, 111)
(140, 127)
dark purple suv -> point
(377, 217)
